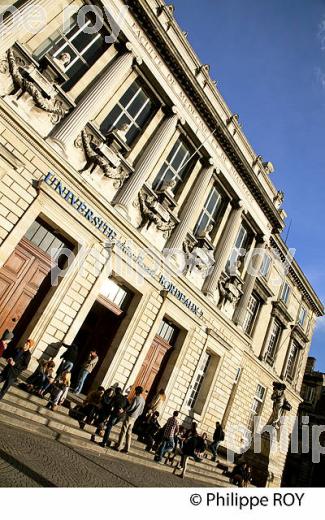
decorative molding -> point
(23, 81)
(154, 213)
(95, 157)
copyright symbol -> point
(196, 499)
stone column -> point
(147, 161)
(252, 272)
(19, 22)
(94, 99)
(225, 247)
(188, 216)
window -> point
(176, 167)
(302, 316)
(210, 212)
(204, 364)
(41, 237)
(266, 265)
(285, 292)
(273, 342)
(113, 292)
(251, 314)
(134, 109)
(81, 43)
(168, 331)
(240, 243)
(292, 361)
(257, 405)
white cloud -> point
(320, 75)
(320, 324)
(321, 34)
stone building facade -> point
(303, 467)
(118, 152)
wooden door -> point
(152, 368)
(20, 280)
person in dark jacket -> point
(191, 448)
(5, 340)
(218, 437)
(119, 404)
(16, 365)
(69, 358)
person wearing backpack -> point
(218, 437)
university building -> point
(118, 152)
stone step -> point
(20, 405)
(76, 442)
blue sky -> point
(268, 58)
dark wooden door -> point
(20, 280)
(152, 368)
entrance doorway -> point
(100, 327)
(25, 277)
(156, 360)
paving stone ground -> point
(29, 460)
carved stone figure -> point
(23, 81)
(63, 60)
(96, 158)
(205, 233)
(153, 212)
(278, 199)
(168, 187)
(280, 404)
(268, 167)
(122, 130)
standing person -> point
(170, 432)
(91, 406)
(119, 404)
(133, 411)
(218, 437)
(192, 447)
(104, 411)
(16, 365)
(86, 368)
(69, 358)
(5, 340)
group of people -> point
(44, 379)
(106, 408)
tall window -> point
(240, 243)
(285, 292)
(273, 342)
(134, 110)
(204, 364)
(210, 212)
(78, 44)
(257, 405)
(308, 393)
(302, 316)
(168, 331)
(176, 167)
(292, 361)
(266, 265)
(251, 314)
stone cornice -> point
(298, 276)
(147, 19)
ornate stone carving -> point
(63, 60)
(24, 82)
(229, 291)
(95, 157)
(280, 405)
(153, 212)
(4, 67)
(278, 199)
(268, 167)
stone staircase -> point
(28, 412)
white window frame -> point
(267, 262)
(198, 380)
(292, 361)
(285, 293)
(273, 342)
(211, 215)
(258, 399)
(301, 321)
(251, 314)
(168, 165)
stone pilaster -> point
(252, 272)
(147, 162)
(19, 22)
(94, 99)
(188, 216)
(225, 247)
